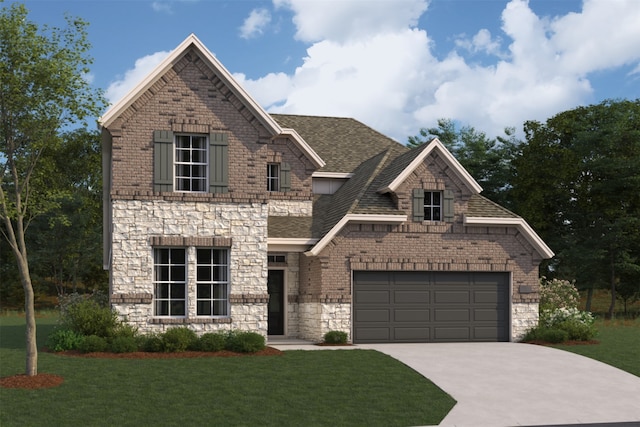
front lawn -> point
(330, 387)
(619, 345)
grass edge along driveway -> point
(325, 387)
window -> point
(212, 282)
(432, 205)
(273, 177)
(186, 163)
(191, 163)
(170, 274)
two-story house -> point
(221, 216)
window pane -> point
(178, 256)
(436, 214)
(204, 291)
(436, 198)
(203, 256)
(162, 256)
(162, 273)
(162, 290)
(199, 142)
(220, 308)
(219, 256)
(162, 308)
(177, 308)
(204, 274)
(204, 308)
(220, 291)
(177, 291)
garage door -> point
(392, 306)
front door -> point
(275, 287)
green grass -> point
(619, 345)
(330, 387)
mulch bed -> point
(40, 381)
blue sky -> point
(396, 65)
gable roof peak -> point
(435, 145)
(225, 76)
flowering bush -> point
(559, 318)
(555, 294)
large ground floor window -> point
(170, 280)
(212, 282)
(172, 288)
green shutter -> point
(285, 177)
(418, 204)
(218, 163)
(447, 208)
(162, 160)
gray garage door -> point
(393, 306)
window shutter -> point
(418, 204)
(218, 163)
(448, 211)
(285, 177)
(162, 160)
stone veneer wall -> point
(137, 224)
(524, 317)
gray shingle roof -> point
(480, 206)
(348, 146)
(343, 143)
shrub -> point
(64, 339)
(245, 342)
(556, 294)
(553, 336)
(335, 337)
(179, 339)
(87, 317)
(92, 344)
(212, 342)
(123, 344)
(151, 343)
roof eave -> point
(278, 244)
(357, 218)
(522, 225)
(303, 145)
(435, 144)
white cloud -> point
(481, 42)
(143, 66)
(345, 20)
(367, 60)
(162, 7)
(255, 23)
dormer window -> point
(432, 205)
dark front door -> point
(275, 287)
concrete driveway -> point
(509, 384)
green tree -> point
(578, 184)
(487, 160)
(43, 90)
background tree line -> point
(576, 179)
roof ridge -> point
(371, 179)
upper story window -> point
(278, 177)
(432, 205)
(273, 177)
(191, 163)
